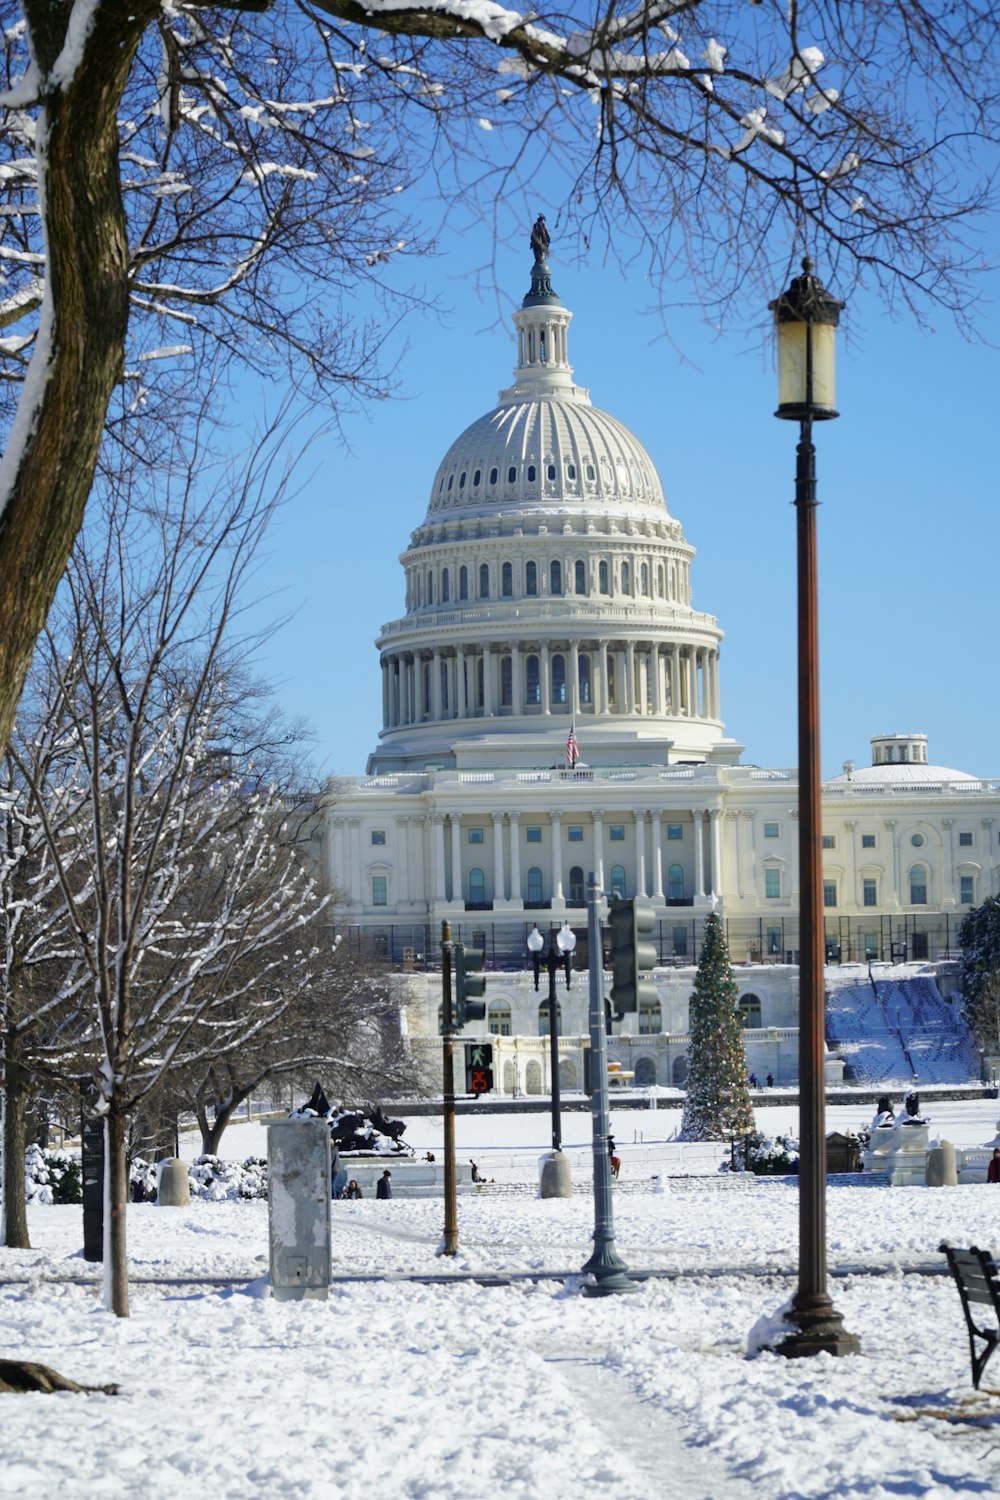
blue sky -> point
(907, 525)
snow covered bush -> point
(766, 1157)
(52, 1176)
(218, 1180)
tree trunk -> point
(14, 1143)
(79, 358)
(115, 1247)
(211, 1135)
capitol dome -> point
(548, 588)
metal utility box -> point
(298, 1169)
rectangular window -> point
(380, 884)
(675, 831)
(533, 835)
(967, 889)
(868, 841)
(576, 835)
(476, 836)
(774, 940)
(869, 892)
(772, 883)
(829, 893)
(871, 945)
(770, 830)
(965, 840)
(680, 942)
(829, 841)
(378, 835)
(616, 833)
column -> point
(557, 874)
(499, 889)
(385, 693)
(436, 685)
(337, 872)
(640, 854)
(546, 683)
(630, 694)
(699, 854)
(603, 694)
(419, 700)
(489, 681)
(656, 666)
(402, 862)
(692, 664)
(716, 701)
(354, 861)
(574, 683)
(715, 818)
(516, 679)
(658, 857)
(460, 699)
(456, 857)
(438, 880)
(515, 856)
(892, 870)
(598, 817)
(675, 681)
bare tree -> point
(204, 182)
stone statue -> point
(540, 240)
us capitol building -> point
(549, 599)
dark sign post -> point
(92, 1169)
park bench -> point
(977, 1277)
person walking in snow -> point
(993, 1170)
(384, 1187)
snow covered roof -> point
(899, 775)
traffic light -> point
(478, 1067)
(631, 958)
(470, 982)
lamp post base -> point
(817, 1328)
(608, 1270)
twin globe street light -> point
(565, 941)
(806, 316)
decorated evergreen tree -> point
(717, 1106)
(979, 940)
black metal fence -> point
(756, 940)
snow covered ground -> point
(395, 1388)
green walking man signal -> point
(470, 983)
(631, 958)
(478, 1067)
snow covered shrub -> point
(766, 1157)
(52, 1176)
(217, 1180)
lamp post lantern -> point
(806, 316)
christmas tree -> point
(717, 1106)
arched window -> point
(543, 1019)
(618, 881)
(477, 888)
(484, 580)
(445, 586)
(675, 883)
(511, 474)
(507, 586)
(461, 482)
(506, 682)
(494, 475)
(551, 471)
(463, 582)
(602, 577)
(533, 687)
(580, 578)
(644, 579)
(430, 588)
(558, 678)
(750, 1012)
(533, 886)
(626, 579)
(530, 578)
(499, 1020)
(555, 579)
(584, 684)
(531, 473)
(645, 1072)
(576, 885)
(533, 1077)
(918, 885)
(650, 1019)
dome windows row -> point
(629, 478)
(533, 579)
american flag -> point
(572, 748)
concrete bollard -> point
(554, 1181)
(941, 1169)
(173, 1189)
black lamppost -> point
(565, 941)
(806, 316)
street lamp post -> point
(806, 316)
(565, 941)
